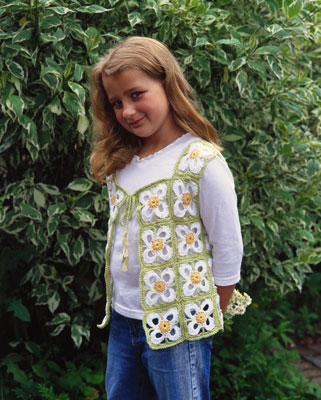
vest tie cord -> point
(124, 219)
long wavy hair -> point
(114, 146)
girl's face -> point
(140, 104)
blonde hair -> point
(114, 146)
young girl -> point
(173, 225)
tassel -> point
(124, 253)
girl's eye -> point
(135, 95)
(117, 104)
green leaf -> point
(93, 9)
(292, 7)
(258, 221)
(55, 106)
(201, 41)
(230, 42)
(275, 67)
(79, 248)
(313, 168)
(15, 104)
(232, 138)
(83, 215)
(15, 69)
(80, 184)
(50, 189)
(19, 310)
(83, 124)
(77, 331)
(53, 302)
(50, 22)
(62, 240)
(30, 212)
(52, 224)
(134, 18)
(61, 318)
(72, 103)
(267, 50)
(257, 66)
(22, 35)
(39, 198)
(57, 208)
(61, 10)
(241, 81)
(236, 64)
(78, 90)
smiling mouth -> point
(135, 123)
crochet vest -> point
(177, 291)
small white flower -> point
(200, 317)
(184, 194)
(238, 303)
(115, 198)
(159, 286)
(156, 246)
(189, 240)
(194, 159)
(195, 277)
(164, 326)
(154, 202)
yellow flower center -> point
(200, 317)
(196, 277)
(164, 326)
(194, 154)
(113, 199)
(186, 198)
(159, 286)
(153, 202)
(190, 238)
(157, 244)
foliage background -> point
(254, 67)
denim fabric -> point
(134, 371)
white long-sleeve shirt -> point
(218, 209)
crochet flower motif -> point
(116, 196)
(188, 238)
(200, 317)
(164, 326)
(156, 246)
(154, 202)
(194, 159)
(185, 193)
(159, 286)
(195, 277)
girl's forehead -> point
(126, 80)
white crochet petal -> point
(197, 246)
(150, 278)
(181, 231)
(164, 232)
(207, 306)
(168, 295)
(151, 297)
(174, 333)
(162, 210)
(147, 213)
(161, 190)
(144, 196)
(196, 228)
(183, 165)
(185, 270)
(156, 336)
(171, 315)
(204, 285)
(196, 165)
(191, 310)
(192, 208)
(166, 252)
(193, 327)
(148, 236)
(150, 320)
(179, 209)
(168, 276)
(178, 187)
(183, 248)
(192, 188)
(189, 289)
(209, 324)
(200, 266)
(149, 255)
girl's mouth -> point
(135, 123)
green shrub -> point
(252, 65)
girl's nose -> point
(128, 110)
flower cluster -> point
(237, 304)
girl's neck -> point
(153, 146)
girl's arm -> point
(225, 293)
(221, 221)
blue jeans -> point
(135, 371)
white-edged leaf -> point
(135, 18)
(15, 104)
(93, 9)
(80, 184)
(16, 69)
(236, 64)
(30, 212)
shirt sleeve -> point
(218, 208)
